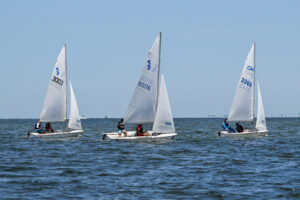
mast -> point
(253, 83)
(157, 88)
(66, 82)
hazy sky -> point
(204, 46)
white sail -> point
(243, 102)
(261, 119)
(142, 106)
(163, 122)
(74, 121)
(55, 108)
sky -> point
(204, 47)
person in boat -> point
(140, 131)
(239, 128)
(226, 127)
(121, 128)
(49, 128)
(38, 127)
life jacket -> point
(225, 125)
(48, 126)
(120, 126)
(139, 130)
(239, 128)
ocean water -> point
(197, 164)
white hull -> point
(244, 133)
(131, 136)
(61, 134)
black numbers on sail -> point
(57, 80)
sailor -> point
(239, 128)
(38, 127)
(226, 127)
(140, 131)
(48, 128)
(121, 128)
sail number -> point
(57, 80)
(246, 82)
(144, 85)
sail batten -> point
(243, 101)
(142, 107)
(54, 108)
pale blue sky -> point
(204, 46)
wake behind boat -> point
(242, 108)
(149, 104)
(55, 104)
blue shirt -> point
(225, 126)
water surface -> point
(196, 165)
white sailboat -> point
(242, 108)
(149, 103)
(55, 104)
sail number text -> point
(57, 80)
(246, 82)
(144, 85)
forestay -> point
(163, 122)
(74, 121)
(261, 120)
(142, 106)
(55, 108)
(243, 102)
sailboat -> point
(55, 104)
(149, 103)
(242, 108)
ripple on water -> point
(196, 165)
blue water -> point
(196, 165)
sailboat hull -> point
(60, 134)
(244, 133)
(131, 136)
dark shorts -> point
(39, 130)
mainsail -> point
(55, 108)
(74, 121)
(142, 107)
(243, 102)
(163, 122)
(261, 119)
